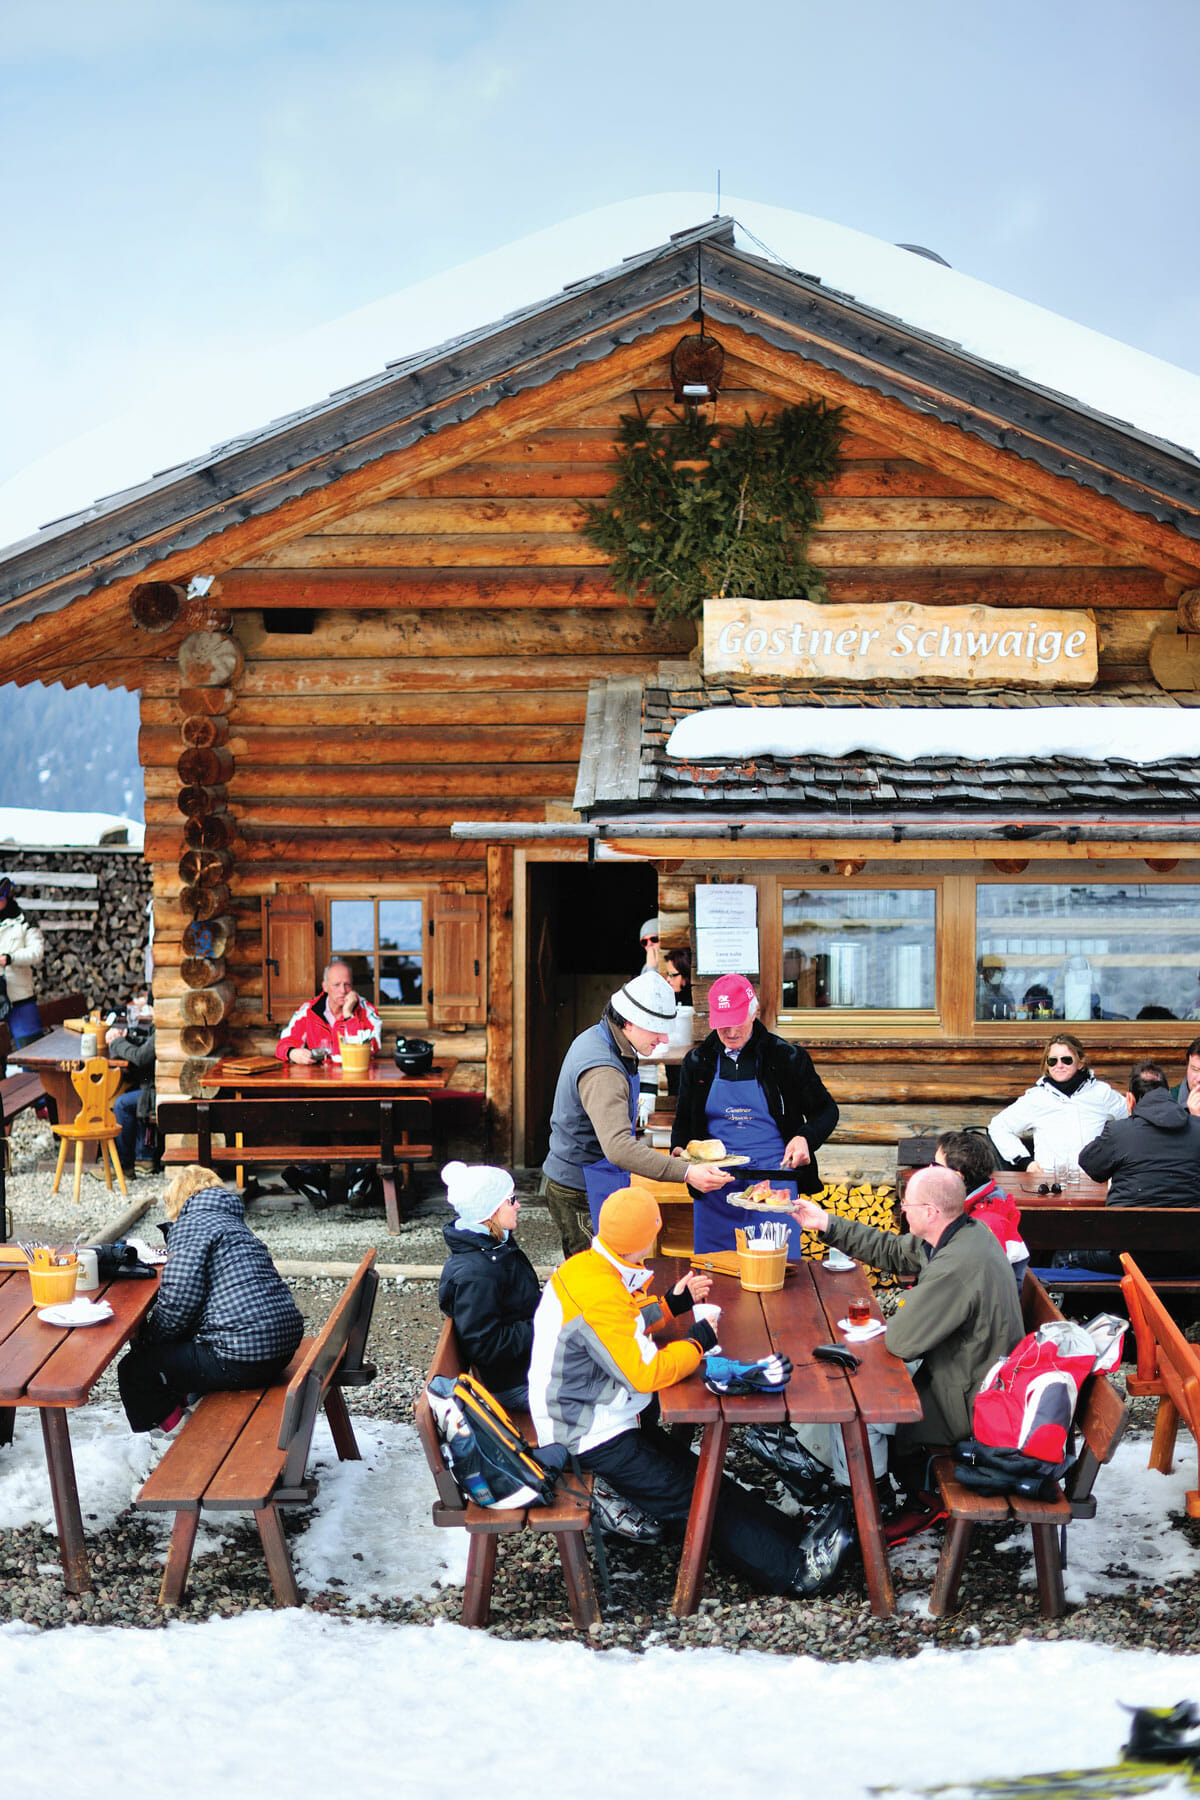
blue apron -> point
(604, 1178)
(737, 1113)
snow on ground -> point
(193, 404)
(1143, 734)
(244, 1707)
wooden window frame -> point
(394, 1018)
(955, 955)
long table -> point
(54, 1369)
(299, 1081)
(804, 1312)
(54, 1058)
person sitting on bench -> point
(969, 1154)
(962, 1315)
(593, 1377)
(489, 1286)
(224, 1317)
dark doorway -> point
(583, 943)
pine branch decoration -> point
(699, 510)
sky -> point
(186, 179)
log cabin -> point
(394, 707)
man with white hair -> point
(593, 1146)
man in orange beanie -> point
(593, 1375)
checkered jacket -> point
(220, 1287)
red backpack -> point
(1027, 1400)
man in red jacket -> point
(334, 1014)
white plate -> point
(784, 1205)
(722, 1162)
(838, 1262)
(77, 1312)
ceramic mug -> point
(88, 1278)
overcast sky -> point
(182, 177)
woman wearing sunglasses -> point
(1064, 1110)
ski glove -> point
(722, 1375)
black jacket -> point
(797, 1099)
(490, 1290)
(1152, 1158)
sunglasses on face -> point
(1051, 1061)
(653, 940)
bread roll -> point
(705, 1150)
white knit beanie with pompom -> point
(475, 1191)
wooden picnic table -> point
(54, 1369)
(54, 1058)
(802, 1313)
(297, 1081)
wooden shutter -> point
(457, 951)
(289, 954)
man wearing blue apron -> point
(593, 1146)
(759, 1094)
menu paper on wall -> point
(726, 929)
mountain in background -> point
(70, 749)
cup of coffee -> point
(859, 1312)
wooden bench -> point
(568, 1518)
(1100, 1421)
(1141, 1230)
(1167, 1365)
(16, 1093)
(392, 1133)
(247, 1451)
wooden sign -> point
(795, 640)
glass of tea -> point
(859, 1312)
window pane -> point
(401, 948)
(870, 949)
(352, 937)
(1099, 951)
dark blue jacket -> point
(491, 1291)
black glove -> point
(703, 1334)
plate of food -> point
(713, 1152)
(762, 1197)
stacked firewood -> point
(209, 663)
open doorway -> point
(583, 924)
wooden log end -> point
(156, 605)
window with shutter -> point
(289, 954)
(457, 959)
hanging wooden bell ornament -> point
(697, 362)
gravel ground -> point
(529, 1599)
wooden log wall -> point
(455, 627)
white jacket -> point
(1061, 1124)
(22, 943)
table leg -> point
(866, 1517)
(60, 1463)
(693, 1562)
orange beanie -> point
(629, 1221)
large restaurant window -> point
(865, 949)
(1120, 950)
(383, 940)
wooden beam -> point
(264, 589)
(498, 1079)
(958, 452)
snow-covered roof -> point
(28, 826)
(204, 403)
(1140, 734)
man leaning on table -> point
(335, 1013)
(315, 1030)
(962, 1315)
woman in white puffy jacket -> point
(1064, 1110)
(21, 949)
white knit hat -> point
(476, 1191)
(649, 929)
(647, 1000)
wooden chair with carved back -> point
(96, 1084)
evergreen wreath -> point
(699, 510)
